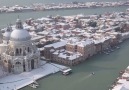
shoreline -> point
(61, 6)
(26, 78)
(122, 81)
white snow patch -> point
(17, 81)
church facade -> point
(18, 53)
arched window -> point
(28, 49)
(18, 63)
(17, 51)
(32, 64)
(20, 50)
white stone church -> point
(18, 53)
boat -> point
(118, 47)
(36, 83)
(107, 53)
(112, 50)
(93, 73)
(33, 85)
(67, 71)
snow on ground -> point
(2, 73)
(17, 81)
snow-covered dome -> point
(7, 34)
(20, 34)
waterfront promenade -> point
(17, 81)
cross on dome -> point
(19, 24)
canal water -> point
(106, 67)
(10, 18)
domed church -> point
(18, 53)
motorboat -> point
(33, 85)
(67, 71)
(93, 73)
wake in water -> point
(86, 77)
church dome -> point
(7, 33)
(20, 34)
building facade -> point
(20, 54)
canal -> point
(10, 18)
(106, 68)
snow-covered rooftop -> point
(85, 42)
(57, 44)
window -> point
(20, 50)
(17, 51)
(28, 49)
(18, 63)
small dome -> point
(20, 35)
(7, 34)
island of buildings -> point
(70, 40)
(60, 6)
(67, 40)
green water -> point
(7, 18)
(106, 68)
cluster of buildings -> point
(122, 82)
(71, 40)
(67, 40)
(15, 8)
(72, 5)
(60, 6)
(72, 45)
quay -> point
(17, 81)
